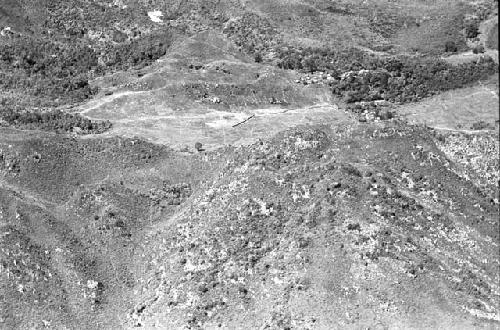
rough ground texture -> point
(318, 227)
(300, 164)
(318, 231)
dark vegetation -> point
(364, 77)
(137, 53)
(57, 47)
(59, 73)
(412, 77)
(479, 49)
(55, 120)
(408, 80)
(450, 47)
(254, 35)
(472, 28)
(371, 110)
(344, 9)
(47, 69)
(323, 59)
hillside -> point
(299, 164)
(310, 229)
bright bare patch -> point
(155, 16)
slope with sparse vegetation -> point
(317, 218)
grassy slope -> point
(493, 38)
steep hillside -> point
(327, 228)
(72, 213)
(318, 227)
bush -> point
(472, 29)
(450, 47)
(47, 69)
(137, 53)
(253, 34)
(410, 79)
(324, 59)
(478, 49)
(54, 120)
(56, 72)
(364, 77)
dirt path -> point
(452, 110)
(214, 128)
(100, 102)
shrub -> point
(54, 120)
(479, 49)
(138, 53)
(410, 79)
(324, 59)
(253, 34)
(47, 69)
(472, 29)
(450, 47)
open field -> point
(458, 109)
